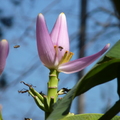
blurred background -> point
(91, 25)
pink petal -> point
(4, 49)
(44, 44)
(81, 63)
(59, 35)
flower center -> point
(66, 57)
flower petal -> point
(81, 63)
(4, 49)
(59, 35)
(44, 44)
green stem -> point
(52, 90)
(53, 85)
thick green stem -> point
(52, 91)
(52, 85)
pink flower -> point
(53, 48)
(4, 49)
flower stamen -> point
(56, 49)
(70, 56)
(66, 58)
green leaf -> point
(91, 116)
(103, 71)
(114, 110)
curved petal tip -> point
(62, 13)
(108, 45)
(81, 63)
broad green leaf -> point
(91, 116)
(103, 71)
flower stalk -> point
(53, 85)
(45, 102)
